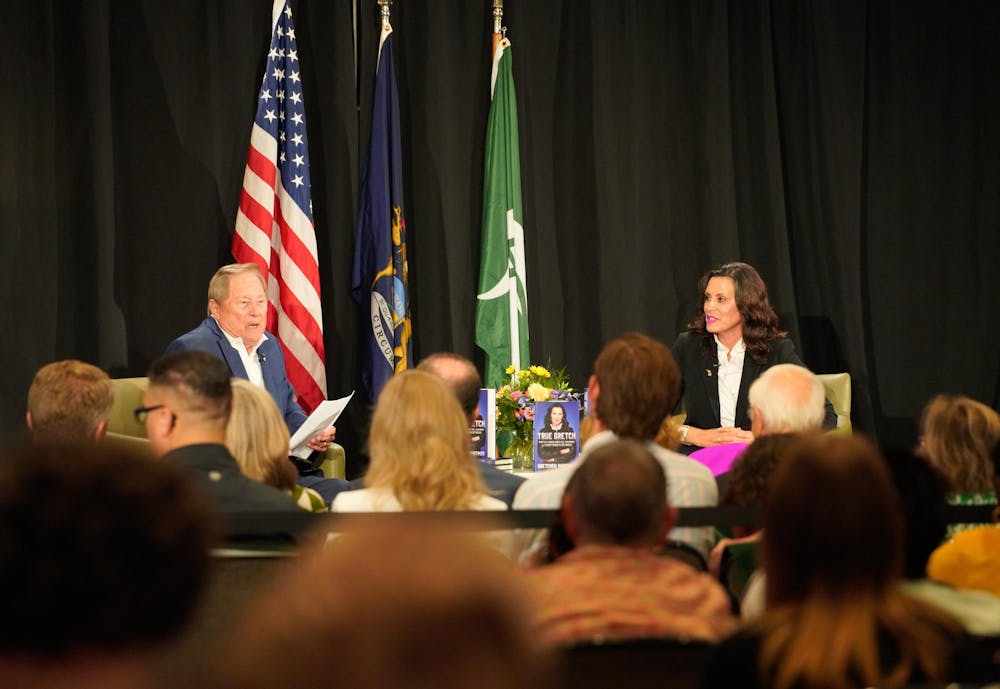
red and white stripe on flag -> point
(274, 224)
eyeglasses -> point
(140, 413)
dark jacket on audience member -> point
(231, 492)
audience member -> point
(971, 560)
(750, 476)
(747, 486)
(258, 440)
(407, 607)
(69, 401)
(235, 333)
(461, 376)
(102, 561)
(786, 398)
(419, 448)
(922, 492)
(613, 584)
(957, 435)
(633, 388)
(187, 407)
(836, 615)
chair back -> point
(838, 390)
(128, 396)
(686, 554)
(236, 577)
(636, 664)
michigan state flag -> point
(502, 306)
(380, 272)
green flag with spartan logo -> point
(502, 305)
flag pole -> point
(384, 9)
(498, 29)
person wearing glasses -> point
(186, 410)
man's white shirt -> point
(250, 360)
(689, 484)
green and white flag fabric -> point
(502, 305)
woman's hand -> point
(710, 437)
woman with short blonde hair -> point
(257, 437)
(420, 453)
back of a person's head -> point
(257, 436)
(751, 473)
(790, 399)
(639, 380)
(419, 445)
(198, 382)
(958, 434)
(618, 496)
(68, 400)
(100, 551)
(921, 489)
(832, 551)
(407, 606)
(832, 522)
(459, 374)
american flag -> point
(274, 226)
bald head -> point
(459, 374)
(618, 497)
(786, 399)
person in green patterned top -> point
(957, 435)
(258, 438)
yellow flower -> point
(541, 371)
(510, 370)
(538, 392)
(523, 374)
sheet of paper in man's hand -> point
(322, 418)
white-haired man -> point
(234, 332)
(786, 399)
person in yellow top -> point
(971, 560)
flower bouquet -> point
(516, 409)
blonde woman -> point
(258, 438)
(419, 447)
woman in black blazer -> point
(736, 318)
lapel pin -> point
(708, 372)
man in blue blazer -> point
(235, 332)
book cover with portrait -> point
(483, 429)
(556, 436)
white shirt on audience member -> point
(689, 484)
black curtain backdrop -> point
(846, 149)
